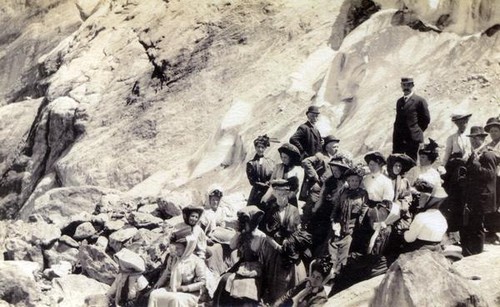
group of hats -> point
(477, 130)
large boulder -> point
(118, 238)
(17, 283)
(425, 278)
(60, 252)
(19, 249)
(358, 295)
(97, 264)
(72, 290)
(59, 205)
(170, 203)
(484, 270)
(144, 220)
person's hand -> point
(183, 289)
(336, 229)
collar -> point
(408, 97)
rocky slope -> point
(137, 101)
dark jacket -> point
(412, 118)
(307, 139)
(259, 171)
(481, 182)
(317, 170)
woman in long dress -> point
(241, 285)
(184, 275)
(284, 267)
(288, 171)
(259, 171)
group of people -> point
(317, 222)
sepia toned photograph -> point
(267, 153)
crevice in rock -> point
(410, 19)
(492, 30)
(352, 14)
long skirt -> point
(163, 298)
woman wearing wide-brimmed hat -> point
(184, 275)
(289, 171)
(425, 170)
(429, 226)
(259, 170)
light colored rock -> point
(100, 219)
(102, 243)
(358, 295)
(18, 249)
(61, 252)
(72, 290)
(87, 7)
(69, 241)
(61, 269)
(119, 237)
(151, 209)
(144, 220)
(17, 283)
(414, 278)
(482, 271)
(150, 245)
(61, 205)
(170, 203)
(97, 264)
(44, 234)
(84, 231)
(113, 226)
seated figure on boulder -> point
(429, 226)
(184, 275)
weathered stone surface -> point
(144, 220)
(149, 244)
(69, 241)
(84, 231)
(425, 278)
(60, 252)
(358, 295)
(114, 225)
(17, 283)
(171, 203)
(97, 264)
(43, 234)
(61, 269)
(19, 249)
(483, 271)
(72, 290)
(102, 243)
(60, 206)
(151, 209)
(118, 238)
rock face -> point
(17, 283)
(97, 264)
(424, 278)
(72, 290)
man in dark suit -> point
(307, 138)
(412, 118)
(480, 193)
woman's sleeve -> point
(415, 227)
(251, 175)
(200, 272)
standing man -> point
(480, 193)
(307, 138)
(412, 118)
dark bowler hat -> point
(313, 109)
(375, 156)
(492, 122)
(330, 138)
(456, 117)
(406, 161)
(407, 80)
(477, 131)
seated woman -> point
(429, 226)
(214, 221)
(309, 292)
(284, 267)
(259, 171)
(241, 285)
(289, 171)
(397, 166)
(184, 275)
(425, 169)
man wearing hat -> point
(317, 170)
(457, 144)
(307, 138)
(412, 118)
(480, 194)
